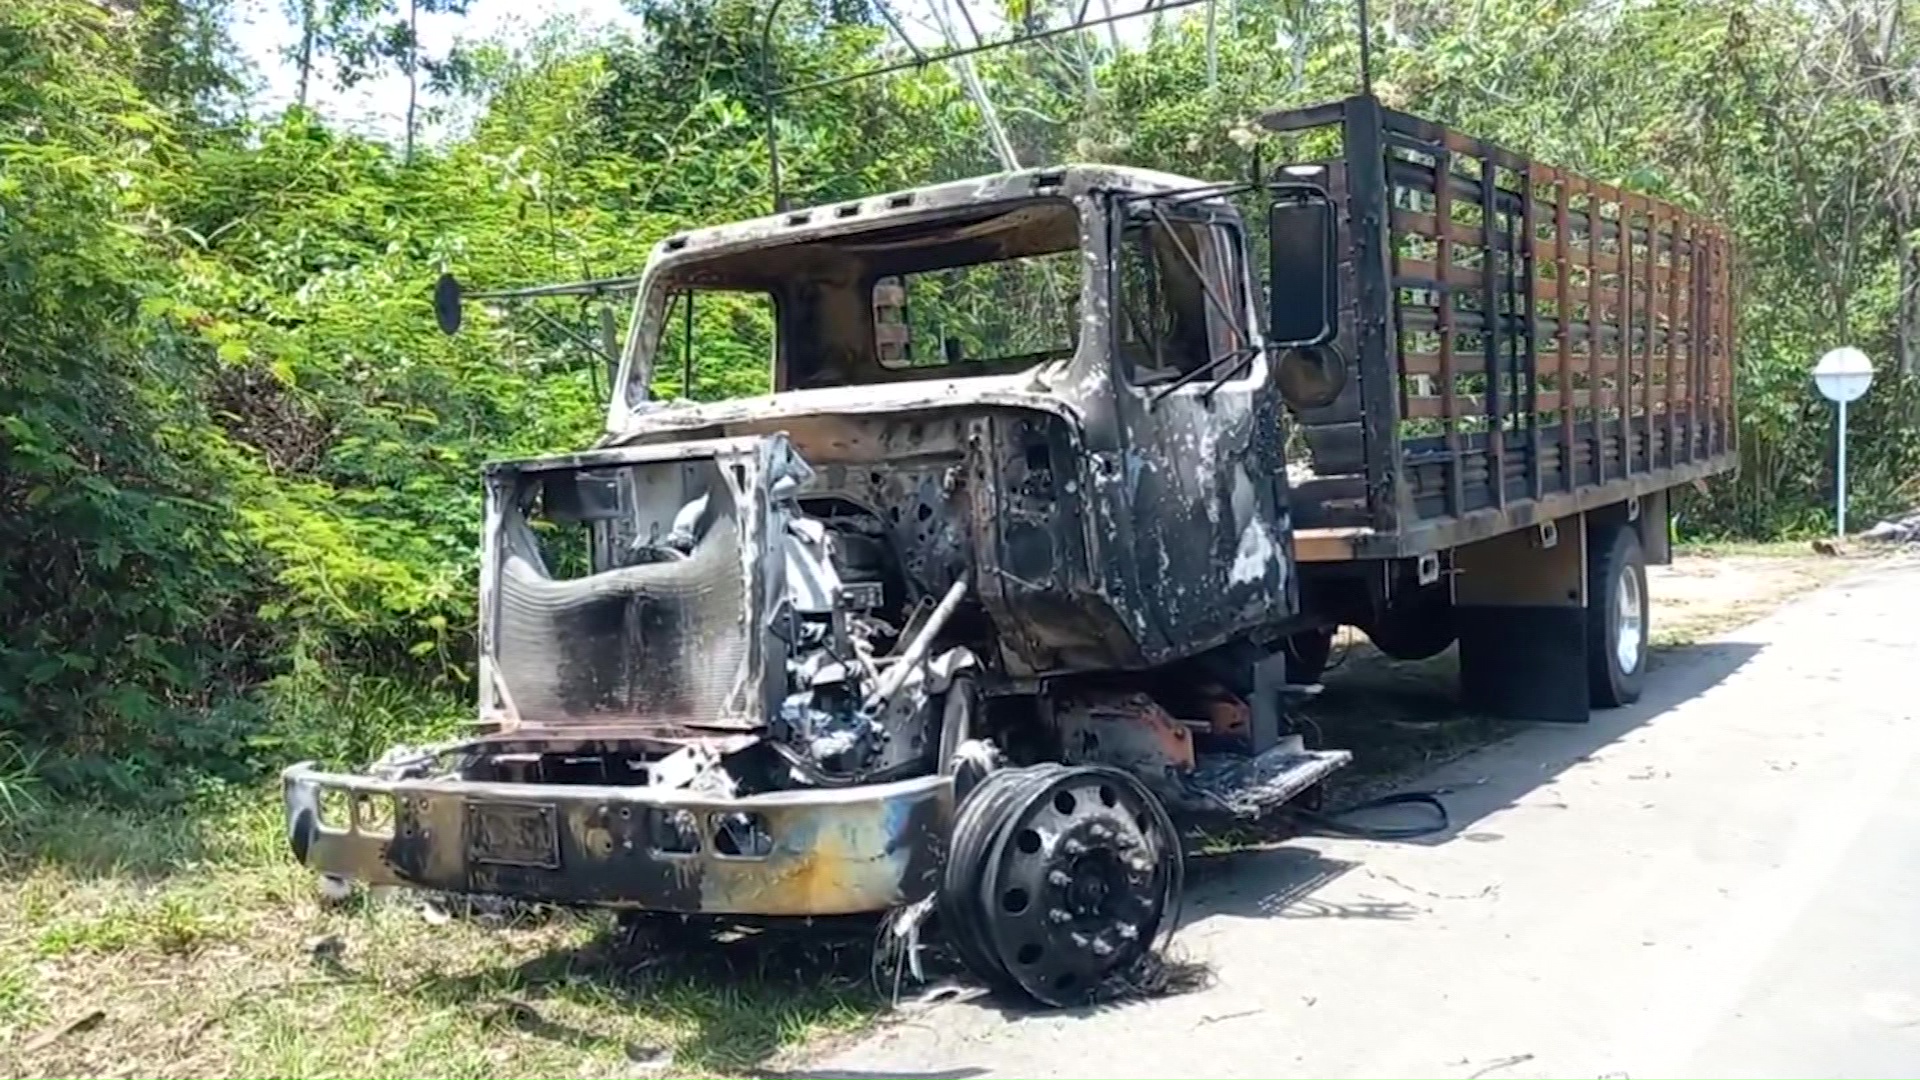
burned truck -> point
(1052, 503)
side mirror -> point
(1303, 299)
(446, 304)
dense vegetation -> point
(237, 462)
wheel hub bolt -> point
(1101, 948)
(1059, 878)
(1059, 915)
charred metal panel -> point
(1210, 529)
(1199, 487)
(660, 645)
(635, 633)
(1053, 604)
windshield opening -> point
(1023, 310)
(715, 344)
(975, 290)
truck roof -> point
(855, 215)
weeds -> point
(173, 924)
(217, 958)
(16, 996)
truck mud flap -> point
(1520, 609)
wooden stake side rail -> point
(1545, 334)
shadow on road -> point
(1403, 722)
(1535, 756)
(1280, 883)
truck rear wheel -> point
(1616, 616)
(1416, 628)
(1307, 653)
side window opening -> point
(727, 340)
(1168, 327)
(1016, 310)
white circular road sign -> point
(1843, 375)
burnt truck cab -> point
(1103, 459)
(1018, 488)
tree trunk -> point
(413, 72)
(1906, 311)
(308, 18)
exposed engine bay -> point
(680, 619)
(862, 679)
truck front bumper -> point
(817, 852)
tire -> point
(1416, 630)
(1307, 653)
(1616, 617)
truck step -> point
(1252, 787)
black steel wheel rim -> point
(1082, 879)
(984, 812)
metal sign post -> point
(1841, 376)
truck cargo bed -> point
(1509, 358)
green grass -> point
(170, 923)
(16, 996)
(210, 953)
(19, 779)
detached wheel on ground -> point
(1060, 880)
(1616, 616)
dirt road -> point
(1720, 880)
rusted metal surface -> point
(1331, 544)
(838, 851)
(1127, 730)
(1228, 717)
